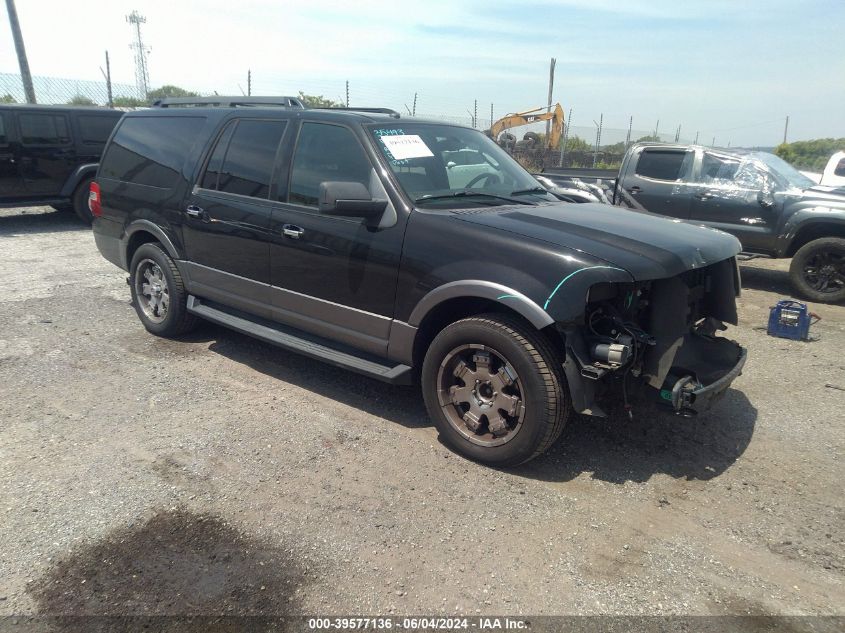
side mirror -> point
(349, 199)
(765, 198)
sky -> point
(725, 69)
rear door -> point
(226, 223)
(655, 180)
(47, 152)
(10, 183)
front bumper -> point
(698, 382)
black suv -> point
(49, 154)
(410, 250)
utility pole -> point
(107, 76)
(567, 125)
(475, 114)
(628, 137)
(249, 82)
(656, 129)
(678, 133)
(491, 119)
(26, 77)
(713, 143)
(696, 138)
(142, 75)
(551, 87)
(414, 112)
(785, 128)
(347, 93)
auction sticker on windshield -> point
(406, 146)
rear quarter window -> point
(840, 168)
(95, 130)
(150, 150)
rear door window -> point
(247, 165)
(95, 130)
(150, 150)
(662, 164)
(43, 129)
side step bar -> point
(301, 343)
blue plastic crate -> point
(790, 319)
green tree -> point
(169, 91)
(7, 98)
(128, 102)
(810, 155)
(319, 101)
(81, 100)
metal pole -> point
(656, 129)
(696, 138)
(491, 118)
(347, 93)
(475, 114)
(565, 136)
(108, 80)
(26, 77)
(785, 128)
(249, 82)
(678, 133)
(628, 137)
(713, 144)
(551, 88)
(414, 112)
(598, 138)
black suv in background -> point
(410, 250)
(49, 154)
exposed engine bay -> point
(659, 335)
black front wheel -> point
(817, 270)
(493, 386)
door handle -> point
(292, 231)
(706, 195)
(634, 190)
(194, 211)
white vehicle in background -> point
(834, 173)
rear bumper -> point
(689, 394)
(110, 245)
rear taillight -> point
(95, 204)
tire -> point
(63, 208)
(158, 292)
(817, 271)
(494, 349)
(80, 201)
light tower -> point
(142, 75)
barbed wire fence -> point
(581, 145)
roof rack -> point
(229, 102)
(388, 111)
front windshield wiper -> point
(522, 192)
(468, 193)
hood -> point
(646, 245)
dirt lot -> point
(215, 474)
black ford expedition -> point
(49, 154)
(387, 247)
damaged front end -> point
(658, 336)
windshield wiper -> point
(468, 193)
(521, 192)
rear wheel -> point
(158, 293)
(80, 201)
(817, 270)
(494, 389)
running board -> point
(301, 343)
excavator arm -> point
(533, 116)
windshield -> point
(447, 166)
(783, 169)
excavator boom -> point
(533, 116)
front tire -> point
(817, 270)
(158, 292)
(495, 390)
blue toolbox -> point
(791, 319)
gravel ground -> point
(216, 474)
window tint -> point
(3, 139)
(43, 129)
(150, 150)
(95, 129)
(840, 168)
(326, 153)
(215, 161)
(662, 165)
(249, 157)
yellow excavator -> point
(532, 116)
